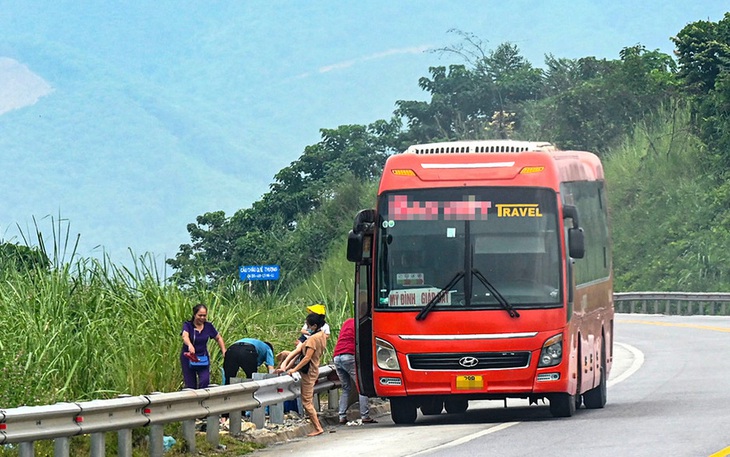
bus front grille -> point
(469, 361)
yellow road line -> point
(674, 324)
(721, 453)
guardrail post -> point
(157, 436)
(276, 413)
(98, 445)
(188, 432)
(333, 399)
(212, 430)
(26, 449)
(213, 427)
(234, 422)
(124, 443)
(61, 447)
(234, 417)
(668, 307)
(258, 415)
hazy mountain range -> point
(129, 119)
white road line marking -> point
(467, 438)
(635, 364)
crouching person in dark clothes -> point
(247, 354)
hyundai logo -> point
(468, 361)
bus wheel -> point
(562, 405)
(432, 406)
(596, 397)
(402, 410)
(456, 405)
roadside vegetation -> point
(77, 329)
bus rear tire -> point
(456, 405)
(562, 405)
(403, 410)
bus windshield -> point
(473, 248)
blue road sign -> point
(258, 272)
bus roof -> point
(441, 164)
(460, 147)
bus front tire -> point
(456, 405)
(403, 410)
(432, 406)
(562, 405)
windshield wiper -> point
(502, 301)
(437, 298)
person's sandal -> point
(369, 420)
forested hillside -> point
(661, 124)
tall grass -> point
(89, 329)
(662, 215)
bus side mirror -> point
(576, 238)
(576, 243)
(354, 247)
(362, 228)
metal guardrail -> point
(59, 422)
(673, 303)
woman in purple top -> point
(195, 335)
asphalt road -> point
(668, 395)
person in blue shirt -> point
(247, 354)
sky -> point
(228, 93)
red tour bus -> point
(484, 273)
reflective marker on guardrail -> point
(113, 414)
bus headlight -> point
(552, 352)
(385, 355)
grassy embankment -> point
(666, 215)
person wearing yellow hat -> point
(317, 308)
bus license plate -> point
(469, 382)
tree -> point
(22, 259)
(209, 257)
(703, 52)
(261, 234)
(467, 100)
(595, 102)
